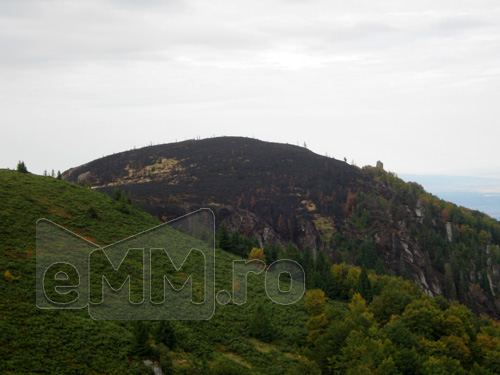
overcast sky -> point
(415, 84)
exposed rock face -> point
(420, 211)
(154, 366)
(449, 232)
(407, 258)
(83, 177)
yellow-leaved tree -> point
(257, 253)
(315, 302)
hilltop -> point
(281, 193)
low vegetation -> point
(353, 320)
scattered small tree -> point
(363, 286)
(124, 201)
(224, 238)
(92, 213)
(140, 340)
(261, 326)
(315, 302)
(257, 253)
(21, 167)
(165, 334)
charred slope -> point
(284, 193)
(271, 189)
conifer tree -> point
(21, 167)
(140, 340)
(261, 326)
(224, 238)
(363, 286)
(308, 265)
(165, 334)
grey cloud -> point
(69, 36)
(155, 30)
(460, 25)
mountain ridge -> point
(283, 193)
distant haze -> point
(412, 83)
(481, 194)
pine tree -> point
(277, 251)
(317, 281)
(368, 257)
(292, 252)
(308, 265)
(117, 194)
(165, 334)
(379, 267)
(450, 290)
(235, 242)
(140, 340)
(322, 276)
(261, 326)
(269, 254)
(224, 238)
(364, 287)
(21, 167)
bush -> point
(261, 326)
(225, 366)
(140, 341)
(165, 334)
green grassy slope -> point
(70, 342)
